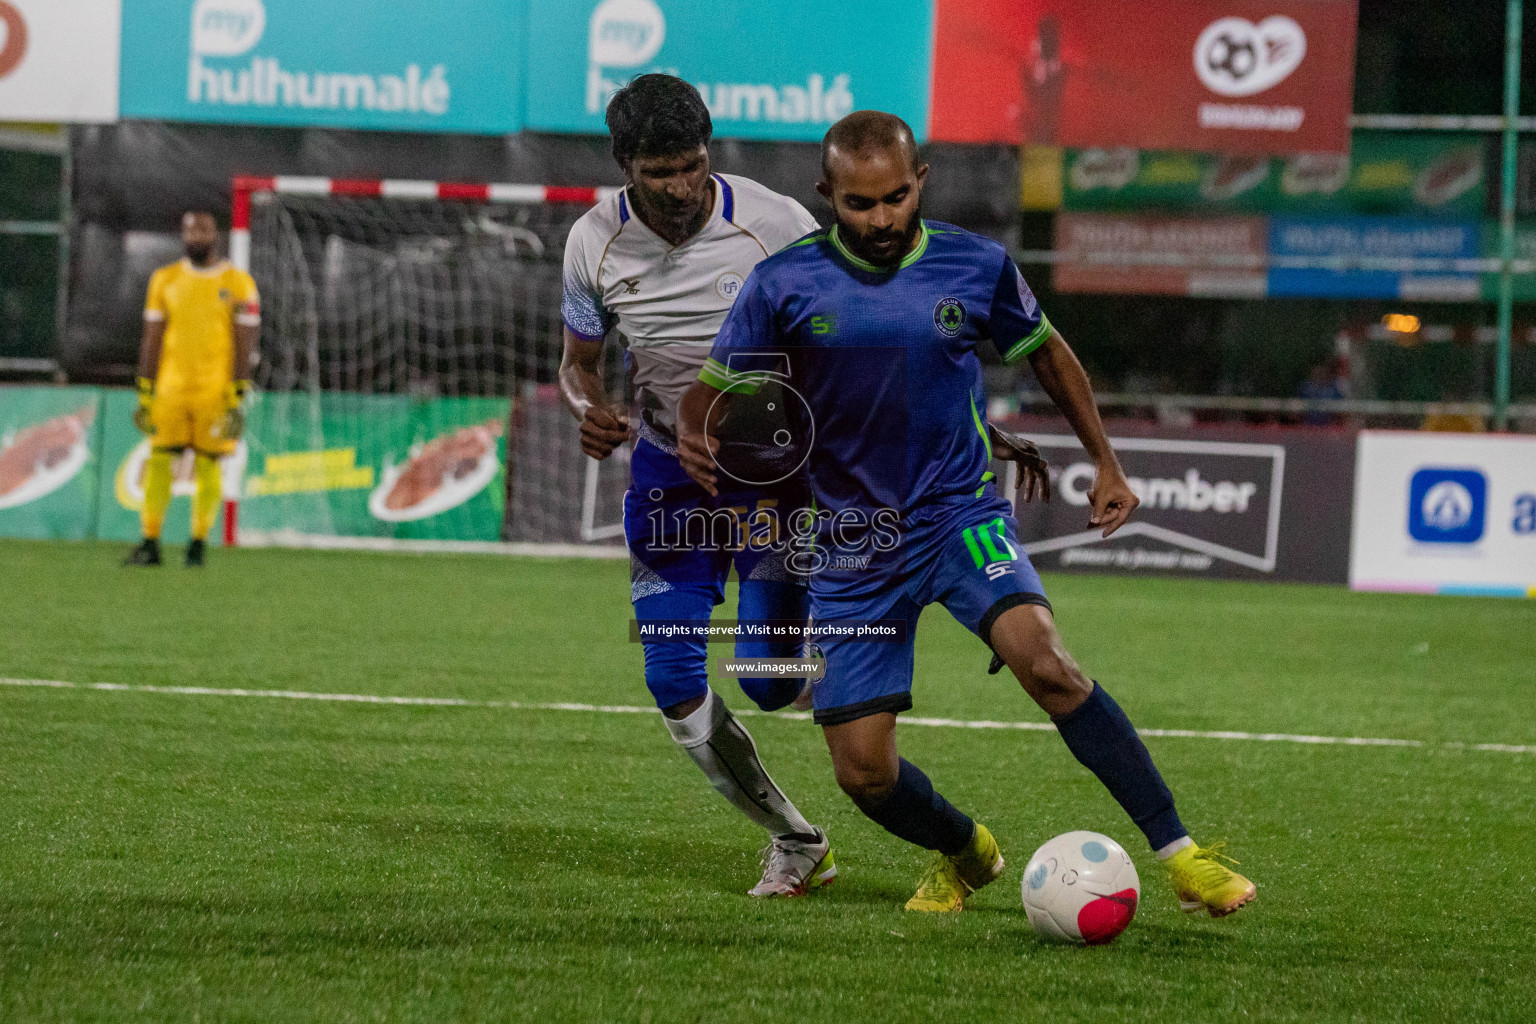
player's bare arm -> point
(1034, 471)
(702, 408)
(1064, 379)
(246, 331)
(150, 344)
(603, 428)
(246, 340)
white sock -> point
(695, 727)
(722, 747)
(1174, 847)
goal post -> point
(430, 291)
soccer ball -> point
(1081, 887)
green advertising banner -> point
(49, 448)
(72, 466)
(375, 466)
(1525, 249)
(1422, 174)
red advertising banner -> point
(1212, 257)
(1236, 76)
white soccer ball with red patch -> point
(1081, 887)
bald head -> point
(872, 178)
(864, 133)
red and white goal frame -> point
(247, 187)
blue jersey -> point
(885, 360)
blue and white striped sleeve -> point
(581, 302)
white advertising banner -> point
(1444, 514)
(59, 59)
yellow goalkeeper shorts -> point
(190, 421)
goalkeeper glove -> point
(233, 423)
(142, 413)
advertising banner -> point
(1427, 175)
(1120, 254)
(376, 466)
(1213, 504)
(341, 64)
(58, 60)
(1525, 249)
(784, 70)
(49, 447)
(1445, 513)
(1351, 238)
(1236, 76)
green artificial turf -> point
(177, 857)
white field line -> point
(627, 709)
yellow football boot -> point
(1203, 882)
(951, 878)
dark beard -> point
(666, 219)
(199, 254)
(860, 246)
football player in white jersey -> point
(663, 261)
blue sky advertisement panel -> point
(1435, 243)
(343, 63)
(785, 70)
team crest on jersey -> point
(949, 316)
(728, 285)
(224, 295)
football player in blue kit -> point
(878, 320)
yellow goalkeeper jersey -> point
(200, 307)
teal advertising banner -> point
(341, 64)
(49, 448)
(784, 70)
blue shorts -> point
(964, 554)
(683, 545)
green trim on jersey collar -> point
(906, 261)
(818, 236)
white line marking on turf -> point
(626, 709)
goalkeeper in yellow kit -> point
(201, 321)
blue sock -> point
(1104, 740)
(919, 815)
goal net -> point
(400, 322)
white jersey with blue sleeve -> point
(670, 301)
